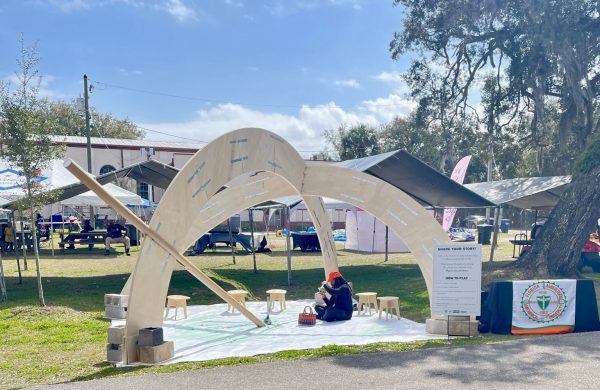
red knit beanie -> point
(333, 275)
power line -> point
(201, 99)
(170, 135)
(217, 101)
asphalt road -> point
(554, 362)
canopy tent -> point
(524, 193)
(144, 205)
(12, 181)
(89, 198)
(411, 175)
(532, 193)
(55, 176)
(417, 179)
(335, 208)
(153, 172)
(366, 233)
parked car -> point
(471, 221)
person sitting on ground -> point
(262, 247)
(339, 306)
(116, 233)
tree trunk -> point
(2, 281)
(14, 226)
(35, 249)
(557, 250)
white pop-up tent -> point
(53, 176)
(91, 199)
(335, 208)
(366, 233)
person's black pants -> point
(330, 314)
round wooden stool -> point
(238, 295)
(366, 299)
(177, 301)
(276, 295)
(388, 304)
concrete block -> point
(159, 353)
(116, 334)
(150, 337)
(115, 312)
(116, 300)
(440, 326)
(115, 353)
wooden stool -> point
(388, 304)
(238, 295)
(276, 295)
(177, 301)
(367, 299)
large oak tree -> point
(544, 53)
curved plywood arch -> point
(196, 201)
(192, 198)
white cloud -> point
(281, 8)
(347, 83)
(303, 130)
(69, 5)
(234, 3)
(130, 72)
(44, 90)
(175, 8)
(389, 77)
(386, 108)
(180, 11)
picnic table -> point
(90, 238)
(305, 241)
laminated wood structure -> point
(232, 173)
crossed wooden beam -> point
(90, 182)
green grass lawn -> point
(66, 340)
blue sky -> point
(294, 67)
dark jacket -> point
(341, 301)
(115, 230)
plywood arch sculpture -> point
(259, 166)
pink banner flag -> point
(458, 175)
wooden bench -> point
(88, 238)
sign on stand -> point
(456, 280)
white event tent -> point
(89, 198)
(55, 176)
(366, 233)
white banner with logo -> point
(543, 306)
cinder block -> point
(115, 312)
(115, 353)
(116, 334)
(157, 354)
(150, 337)
(121, 300)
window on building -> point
(142, 189)
(107, 168)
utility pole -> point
(87, 122)
(88, 135)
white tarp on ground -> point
(89, 198)
(211, 332)
(366, 233)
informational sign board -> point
(456, 280)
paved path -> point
(553, 362)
